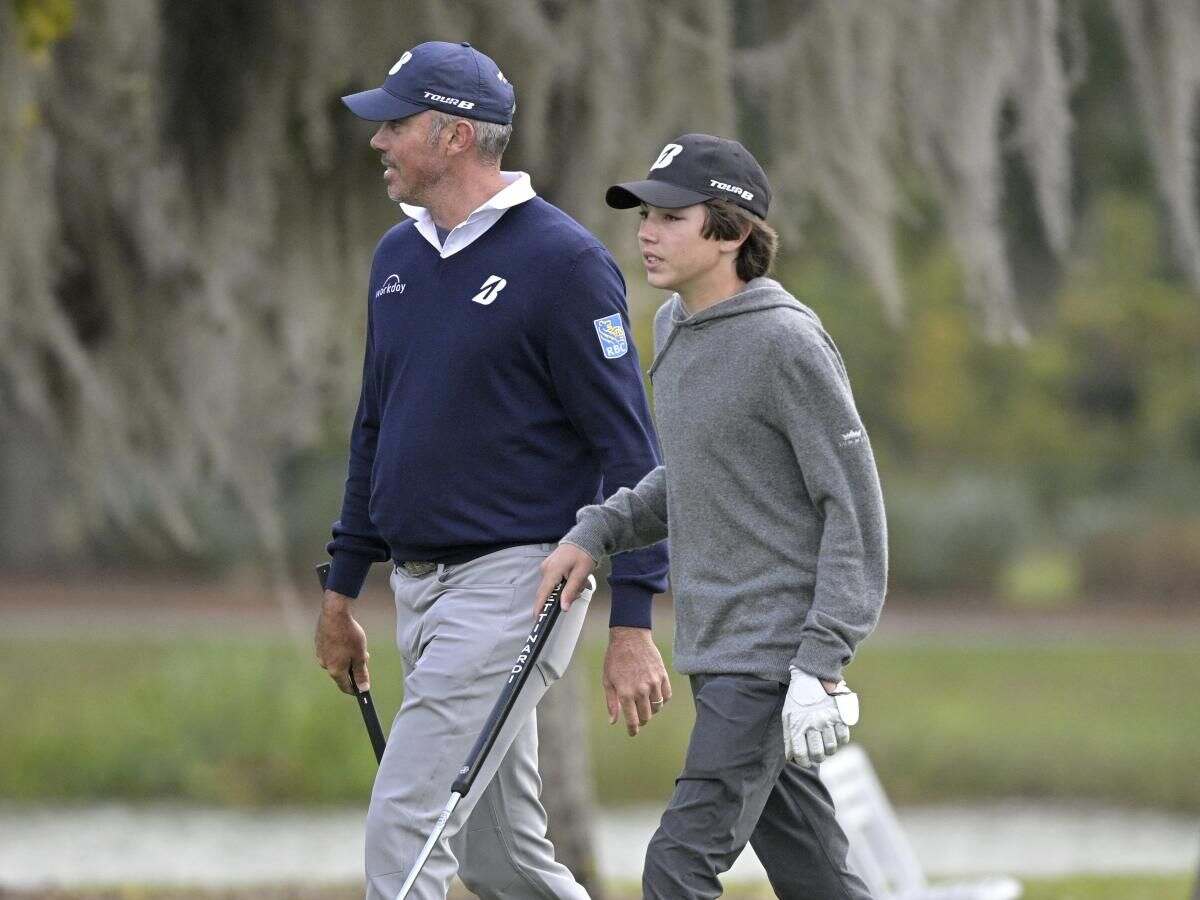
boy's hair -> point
(723, 221)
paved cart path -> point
(181, 846)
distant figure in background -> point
(778, 543)
(499, 393)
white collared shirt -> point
(465, 233)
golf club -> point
(518, 675)
(365, 706)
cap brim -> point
(378, 105)
(655, 193)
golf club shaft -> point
(434, 837)
(365, 704)
(518, 675)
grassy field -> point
(1096, 721)
(1110, 888)
(246, 721)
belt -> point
(417, 568)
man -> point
(499, 394)
(778, 544)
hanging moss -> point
(43, 22)
(211, 54)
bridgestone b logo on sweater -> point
(487, 293)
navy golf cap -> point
(453, 78)
(695, 168)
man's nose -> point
(375, 144)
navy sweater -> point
(501, 392)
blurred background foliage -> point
(980, 199)
(992, 205)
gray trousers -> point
(459, 629)
(736, 787)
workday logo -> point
(667, 156)
(391, 285)
(493, 286)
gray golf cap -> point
(694, 168)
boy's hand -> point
(569, 562)
(817, 716)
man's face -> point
(412, 165)
(676, 257)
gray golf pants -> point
(735, 786)
(459, 630)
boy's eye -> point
(671, 218)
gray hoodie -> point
(778, 538)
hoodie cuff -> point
(588, 535)
(347, 573)
(819, 659)
(630, 606)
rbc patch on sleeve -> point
(611, 332)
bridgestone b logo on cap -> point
(400, 62)
(667, 156)
(732, 188)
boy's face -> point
(675, 255)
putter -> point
(495, 721)
(365, 706)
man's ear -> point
(460, 136)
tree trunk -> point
(567, 780)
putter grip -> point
(365, 704)
(512, 689)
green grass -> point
(246, 721)
(1143, 887)
(1108, 723)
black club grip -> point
(519, 674)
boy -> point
(779, 551)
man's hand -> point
(635, 680)
(569, 562)
(340, 642)
(817, 716)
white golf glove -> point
(815, 722)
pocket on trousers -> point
(560, 647)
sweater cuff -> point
(347, 573)
(820, 659)
(630, 606)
